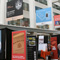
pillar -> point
(51, 26)
(32, 13)
(2, 11)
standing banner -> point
(14, 10)
(54, 48)
(57, 20)
(19, 45)
(43, 16)
(31, 48)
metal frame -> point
(30, 29)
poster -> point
(57, 20)
(19, 45)
(54, 47)
(42, 47)
(31, 47)
(0, 41)
(14, 10)
(41, 39)
(43, 16)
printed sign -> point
(54, 47)
(42, 47)
(57, 20)
(43, 16)
(19, 45)
(41, 39)
(14, 10)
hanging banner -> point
(43, 16)
(19, 45)
(14, 10)
(31, 47)
(57, 20)
(54, 48)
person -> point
(59, 50)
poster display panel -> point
(54, 48)
(19, 45)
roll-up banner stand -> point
(54, 48)
(16, 45)
(31, 48)
(14, 10)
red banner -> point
(57, 20)
(19, 45)
(54, 47)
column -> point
(32, 13)
(51, 26)
(2, 11)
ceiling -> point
(57, 2)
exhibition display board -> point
(16, 44)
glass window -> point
(42, 1)
(20, 22)
(56, 6)
(37, 8)
(25, 6)
(9, 0)
(55, 13)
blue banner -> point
(43, 15)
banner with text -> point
(14, 10)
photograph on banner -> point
(14, 10)
(43, 16)
(57, 20)
(19, 45)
